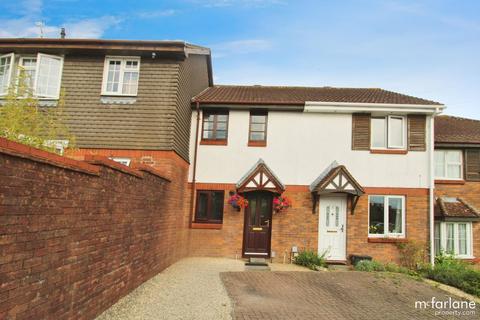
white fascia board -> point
(348, 107)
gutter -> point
(194, 173)
(348, 107)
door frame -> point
(344, 199)
(245, 226)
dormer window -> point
(120, 76)
(388, 132)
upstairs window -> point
(120, 76)
(6, 67)
(258, 129)
(209, 206)
(388, 132)
(448, 164)
(42, 74)
(215, 126)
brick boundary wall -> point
(76, 236)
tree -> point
(23, 120)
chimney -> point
(62, 33)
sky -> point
(429, 49)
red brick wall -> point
(76, 237)
(298, 226)
(470, 192)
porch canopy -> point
(260, 177)
(455, 209)
(336, 179)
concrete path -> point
(189, 289)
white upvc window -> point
(388, 132)
(43, 74)
(6, 69)
(28, 67)
(386, 216)
(124, 161)
(120, 76)
(448, 164)
(454, 238)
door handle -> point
(341, 228)
(268, 223)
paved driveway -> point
(331, 295)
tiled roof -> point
(222, 94)
(447, 207)
(450, 129)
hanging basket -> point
(281, 203)
(237, 202)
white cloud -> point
(26, 25)
(228, 3)
(240, 47)
(156, 13)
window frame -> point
(19, 64)
(10, 72)
(121, 160)
(386, 233)
(387, 134)
(37, 75)
(206, 113)
(123, 60)
(209, 219)
(446, 163)
(257, 142)
(443, 238)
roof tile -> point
(450, 129)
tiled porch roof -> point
(451, 208)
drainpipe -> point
(194, 173)
(431, 190)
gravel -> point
(188, 289)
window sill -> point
(257, 143)
(214, 142)
(446, 181)
(388, 151)
(201, 225)
(387, 240)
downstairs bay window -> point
(386, 216)
(454, 238)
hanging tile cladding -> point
(147, 124)
(193, 78)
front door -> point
(258, 223)
(332, 228)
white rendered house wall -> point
(299, 147)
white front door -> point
(332, 227)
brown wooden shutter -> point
(361, 131)
(417, 137)
(472, 164)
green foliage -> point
(23, 120)
(412, 254)
(456, 273)
(369, 266)
(310, 259)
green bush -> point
(456, 273)
(369, 266)
(310, 259)
(412, 254)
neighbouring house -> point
(457, 186)
(357, 165)
(124, 99)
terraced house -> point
(457, 186)
(341, 171)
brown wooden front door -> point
(258, 224)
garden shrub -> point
(369, 266)
(310, 259)
(456, 273)
(412, 254)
